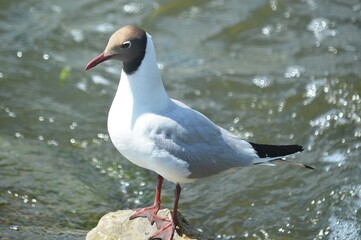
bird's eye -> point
(126, 44)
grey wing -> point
(207, 148)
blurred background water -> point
(270, 71)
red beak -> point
(99, 59)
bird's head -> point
(128, 45)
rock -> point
(117, 226)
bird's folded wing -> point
(208, 149)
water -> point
(270, 71)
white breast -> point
(136, 145)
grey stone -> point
(117, 226)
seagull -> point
(166, 136)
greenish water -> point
(271, 71)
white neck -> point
(143, 91)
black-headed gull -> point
(158, 133)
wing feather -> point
(208, 149)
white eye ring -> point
(126, 44)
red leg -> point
(151, 211)
(176, 201)
(166, 227)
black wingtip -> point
(276, 152)
(272, 151)
(309, 167)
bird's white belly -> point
(132, 140)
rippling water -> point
(270, 71)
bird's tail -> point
(269, 153)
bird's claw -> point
(149, 212)
(164, 233)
